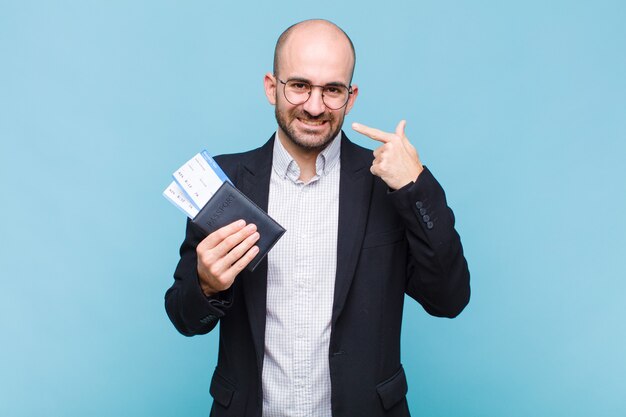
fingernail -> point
(251, 227)
(241, 223)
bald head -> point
(322, 32)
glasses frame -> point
(284, 83)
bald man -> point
(315, 329)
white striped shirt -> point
(300, 286)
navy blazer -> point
(389, 244)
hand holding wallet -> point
(228, 205)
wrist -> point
(205, 287)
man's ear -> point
(269, 82)
(355, 92)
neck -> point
(305, 158)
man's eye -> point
(299, 86)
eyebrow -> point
(330, 84)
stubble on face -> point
(310, 141)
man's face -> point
(311, 126)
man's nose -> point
(315, 104)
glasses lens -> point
(297, 92)
(334, 96)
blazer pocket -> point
(393, 390)
(383, 238)
(221, 390)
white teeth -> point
(312, 122)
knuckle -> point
(234, 256)
(232, 240)
(217, 235)
(229, 240)
(214, 271)
(223, 280)
(226, 281)
(202, 257)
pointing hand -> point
(396, 161)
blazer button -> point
(422, 211)
(209, 319)
(426, 218)
(419, 204)
(430, 225)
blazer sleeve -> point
(188, 308)
(437, 273)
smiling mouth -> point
(310, 122)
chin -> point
(310, 142)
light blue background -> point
(517, 107)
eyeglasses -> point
(334, 96)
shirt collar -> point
(286, 167)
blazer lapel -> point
(253, 179)
(355, 186)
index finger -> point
(215, 238)
(372, 133)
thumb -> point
(400, 128)
(400, 132)
(405, 140)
